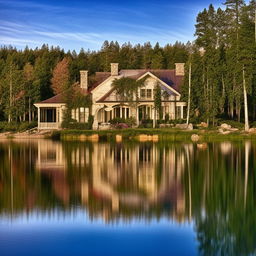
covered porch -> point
(110, 112)
(50, 117)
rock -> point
(224, 132)
(181, 126)
(190, 127)
(234, 129)
(204, 125)
(185, 126)
(252, 130)
(195, 137)
(162, 126)
(226, 126)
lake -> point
(69, 198)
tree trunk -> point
(29, 109)
(10, 97)
(189, 93)
(246, 120)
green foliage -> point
(16, 127)
(131, 121)
(127, 89)
(158, 101)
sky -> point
(77, 24)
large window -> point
(146, 93)
(149, 93)
(178, 112)
(143, 93)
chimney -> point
(180, 69)
(84, 79)
(114, 69)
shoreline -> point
(141, 135)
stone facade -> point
(84, 79)
(180, 69)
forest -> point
(220, 82)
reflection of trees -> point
(223, 200)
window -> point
(149, 93)
(178, 112)
(81, 115)
(142, 93)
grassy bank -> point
(167, 134)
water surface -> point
(130, 198)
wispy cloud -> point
(87, 24)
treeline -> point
(223, 64)
(28, 76)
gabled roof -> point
(60, 98)
(94, 81)
(172, 83)
(168, 76)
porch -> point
(50, 117)
(143, 111)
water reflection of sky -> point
(76, 234)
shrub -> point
(117, 120)
(146, 123)
(167, 118)
(121, 126)
(131, 121)
(73, 124)
(27, 126)
(90, 121)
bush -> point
(16, 127)
(131, 121)
(90, 121)
(74, 125)
(146, 123)
(121, 126)
(27, 126)
(117, 120)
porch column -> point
(121, 112)
(181, 112)
(60, 116)
(38, 118)
(125, 113)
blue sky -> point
(75, 24)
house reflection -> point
(137, 177)
(51, 163)
(50, 156)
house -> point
(107, 104)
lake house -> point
(107, 104)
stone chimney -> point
(180, 69)
(84, 79)
(114, 69)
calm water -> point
(123, 199)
